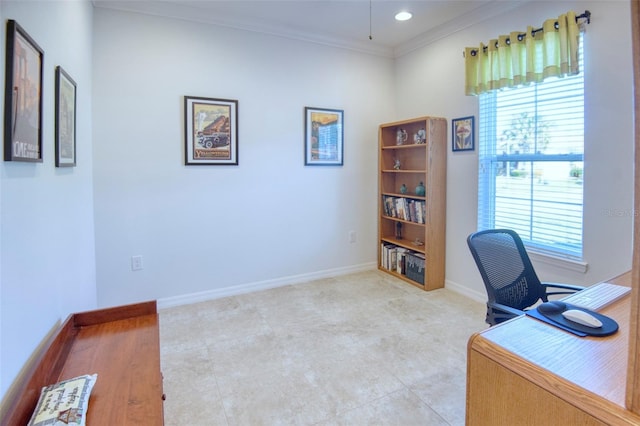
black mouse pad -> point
(609, 325)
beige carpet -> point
(362, 349)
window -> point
(531, 163)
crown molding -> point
(173, 10)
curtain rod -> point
(586, 15)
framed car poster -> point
(211, 131)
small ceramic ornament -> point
(401, 136)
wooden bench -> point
(121, 345)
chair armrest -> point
(570, 287)
(504, 308)
(563, 285)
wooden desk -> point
(524, 371)
(121, 345)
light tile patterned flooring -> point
(361, 349)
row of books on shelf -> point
(404, 208)
(403, 261)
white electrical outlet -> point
(352, 237)
(136, 263)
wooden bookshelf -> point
(422, 218)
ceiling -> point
(342, 23)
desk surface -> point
(563, 363)
(120, 344)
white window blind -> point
(531, 146)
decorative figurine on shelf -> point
(403, 189)
(399, 231)
(420, 136)
(401, 136)
(396, 164)
(418, 242)
(420, 190)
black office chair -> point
(511, 282)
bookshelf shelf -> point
(418, 257)
(403, 146)
(406, 244)
(397, 194)
(396, 219)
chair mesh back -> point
(505, 268)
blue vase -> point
(420, 190)
(403, 189)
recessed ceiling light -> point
(403, 16)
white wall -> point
(214, 228)
(46, 234)
(430, 80)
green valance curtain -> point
(522, 58)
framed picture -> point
(22, 97)
(65, 120)
(211, 131)
(462, 134)
(323, 137)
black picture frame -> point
(65, 119)
(23, 96)
(462, 134)
(211, 131)
(323, 137)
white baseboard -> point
(233, 290)
(466, 291)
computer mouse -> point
(582, 318)
(553, 307)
